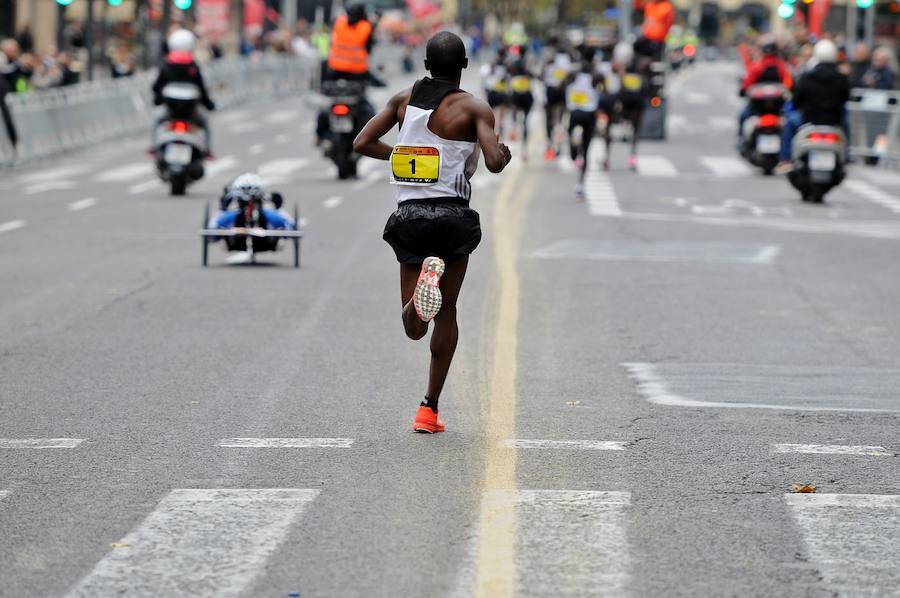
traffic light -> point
(865, 3)
(64, 2)
(114, 2)
(786, 10)
(183, 4)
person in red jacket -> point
(770, 68)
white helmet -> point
(181, 40)
(250, 185)
(825, 51)
(623, 53)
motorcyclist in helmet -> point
(245, 188)
(770, 68)
(180, 67)
(819, 99)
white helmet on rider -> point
(250, 185)
(181, 40)
(623, 53)
(825, 51)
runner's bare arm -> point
(496, 154)
(368, 142)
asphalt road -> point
(640, 379)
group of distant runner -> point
(592, 85)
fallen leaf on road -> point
(120, 545)
(803, 488)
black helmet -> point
(356, 13)
(769, 48)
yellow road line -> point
(496, 573)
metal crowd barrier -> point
(56, 120)
(874, 121)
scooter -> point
(818, 152)
(762, 130)
(179, 142)
(344, 121)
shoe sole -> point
(423, 429)
(427, 297)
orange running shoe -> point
(549, 155)
(427, 296)
(427, 421)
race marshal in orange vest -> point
(351, 41)
(659, 15)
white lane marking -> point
(696, 97)
(281, 167)
(722, 122)
(833, 449)
(44, 186)
(333, 202)
(369, 180)
(52, 174)
(874, 194)
(677, 122)
(853, 539)
(82, 204)
(655, 166)
(5, 227)
(663, 252)
(598, 188)
(800, 388)
(282, 116)
(286, 443)
(39, 443)
(144, 186)
(198, 542)
(576, 445)
(125, 173)
(303, 222)
(229, 117)
(244, 127)
(4, 494)
(726, 166)
(220, 165)
(255, 149)
(858, 228)
(568, 543)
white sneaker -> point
(427, 296)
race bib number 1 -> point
(414, 165)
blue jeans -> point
(792, 123)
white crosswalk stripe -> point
(125, 173)
(853, 539)
(567, 543)
(874, 194)
(4, 494)
(726, 166)
(198, 542)
(655, 166)
(5, 227)
(598, 188)
(573, 445)
(39, 443)
(833, 449)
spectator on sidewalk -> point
(5, 113)
(880, 75)
(16, 70)
(122, 62)
(859, 65)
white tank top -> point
(581, 94)
(424, 165)
(557, 71)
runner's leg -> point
(446, 332)
(413, 325)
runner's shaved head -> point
(445, 55)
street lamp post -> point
(89, 39)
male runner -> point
(433, 230)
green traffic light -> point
(786, 11)
(114, 2)
(788, 2)
(183, 4)
(64, 2)
(865, 3)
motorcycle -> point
(762, 130)
(347, 107)
(180, 143)
(818, 153)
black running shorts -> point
(497, 98)
(523, 101)
(420, 228)
(555, 96)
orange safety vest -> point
(348, 52)
(658, 18)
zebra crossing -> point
(567, 542)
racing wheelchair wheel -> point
(297, 239)
(205, 238)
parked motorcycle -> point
(762, 129)
(180, 143)
(818, 153)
